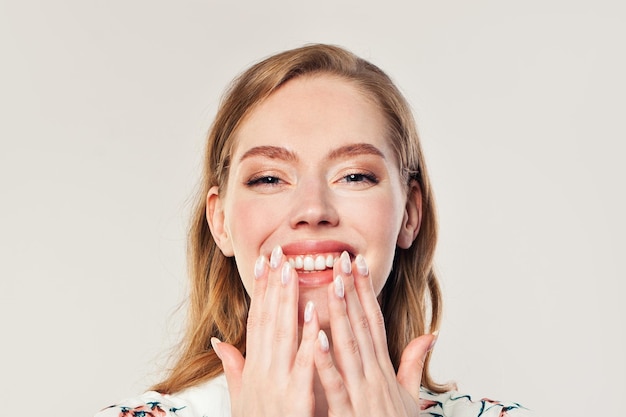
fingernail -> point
(308, 311)
(346, 266)
(323, 339)
(432, 344)
(285, 273)
(338, 282)
(214, 342)
(361, 265)
(259, 267)
(277, 256)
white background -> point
(103, 110)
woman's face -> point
(313, 171)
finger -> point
(285, 340)
(369, 303)
(232, 362)
(330, 378)
(261, 321)
(412, 363)
(359, 322)
(345, 344)
(304, 363)
(257, 298)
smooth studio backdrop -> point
(104, 106)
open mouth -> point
(311, 263)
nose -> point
(313, 206)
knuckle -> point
(363, 322)
(259, 290)
(255, 322)
(421, 363)
(351, 346)
(280, 335)
(325, 365)
(303, 360)
(377, 319)
(335, 384)
(264, 318)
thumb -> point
(412, 363)
(232, 361)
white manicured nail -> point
(323, 339)
(361, 265)
(276, 258)
(214, 343)
(259, 267)
(285, 274)
(346, 265)
(432, 344)
(308, 311)
(338, 282)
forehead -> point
(313, 111)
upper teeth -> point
(312, 262)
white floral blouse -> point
(211, 399)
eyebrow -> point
(355, 149)
(278, 152)
(272, 152)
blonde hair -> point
(218, 303)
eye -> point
(360, 177)
(264, 180)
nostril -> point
(318, 223)
(313, 210)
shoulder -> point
(209, 399)
(455, 404)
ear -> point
(217, 222)
(412, 216)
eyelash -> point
(273, 181)
(362, 177)
(267, 180)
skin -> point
(313, 173)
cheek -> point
(379, 220)
(381, 217)
(244, 223)
(249, 222)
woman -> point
(311, 249)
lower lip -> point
(315, 278)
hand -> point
(276, 377)
(360, 380)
